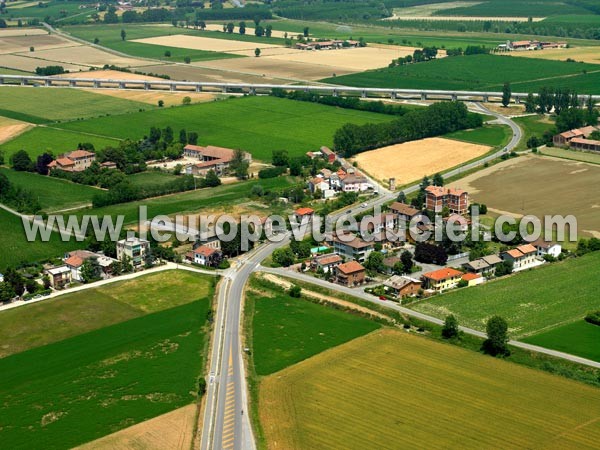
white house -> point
(547, 248)
(355, 183)
(134, 248)
(523, 257)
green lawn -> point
(530, 301)
(534, 125)
(53, 193)
(192, 201)
(480, 72)
(256, 124)
(57, 140)
(82, 388)
(492, 135)
(579, 338)
(288, 330)
(110, 36)
(15, 249)
(47, 105)
(76, 313)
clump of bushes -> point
(593, 318)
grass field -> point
(151, 177)
(391, 389)
(574, 155)
(579, 338)
(521, 186)
(110, 36)
(530, 301)
(15, 249)
(287, 330)
(256, 124)
(513, 8)
(480, 72)
(40, 105)
(492, 135)
(76, 313)
(52, 193)
(192, 201)
(105, 380)
(534, 125)
(57, 140)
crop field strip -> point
(578, 338)
(464, 399)
(531, 302)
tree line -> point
(437, 119)
(341, 102)
(18, 198)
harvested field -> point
(512, 109)
(203, 43)
(391, 389)
(10, 128)
(171, 431)
(29, 63)
(250, 31)
(521, 186)
(276, 68)
(152, 97)
(411, 161)
(584, 54)
(193, 73)
(108, 75)
(86, 56)
(14, 44)
(6, 32)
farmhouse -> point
(402, 286)
(328, 154)
(441, 279)
(326, 262)
(317, 183)
(438, 197)
(585, 144)
(205, 256)
(564, 139)
(354, 183)
(133, 248)
(523, 257)
(75, 161)
(350, 274)
(211, 158)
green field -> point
(15, 249)
(579, 338)
(392, 389)
(41, 105)
(56, 140)
(492, 135)
(256, 124)
(480, 72)
(53, 8)
(76, 313)
(85, 387)
(530, 301)
(7, 71)
(574, 155)
(52, 193)
(514, 8)
(534, 125)
(287, 330)
(151, 177)
(110, 36)
(192, 201)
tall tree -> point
(530, 103)
(239, 165)
(438, 180)
(42, 163)
(496, 343)
(506, 94)
(123, 34)
(450, 328)
(242, 27)
(183, 136)
(21, 161)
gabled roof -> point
(478, 264)
(470, 276)
(74, 261)
(356, 242)
(304, 211)
(492, 259)
(205, 251)
(514, 253)
(440, 191)
(540, 243)
(399, 281)
(403, 208)
(79, 154)
(442, 274)
(526, 249)
(329, 259)
(350, 267)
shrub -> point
(593, 318)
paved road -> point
(359, 293)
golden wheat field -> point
(392, 390)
